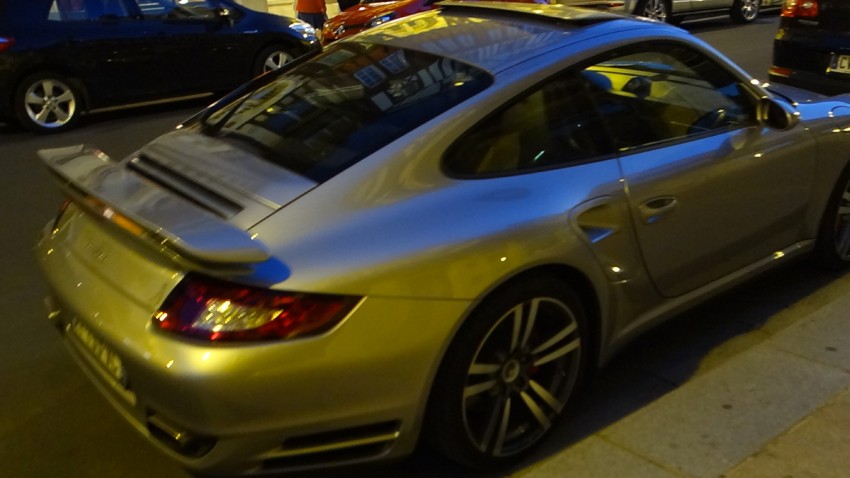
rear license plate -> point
(839, 64)
(105, 357)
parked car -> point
(436, 230)
(368, 14)
(812, 48)
(371, 13)
(674, 11)
(62, 58)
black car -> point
(812, 46)
(62, 58)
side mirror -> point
(225, 15)
(776, 114)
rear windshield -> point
(343, 105)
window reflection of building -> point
(348, 102)
(384, 76)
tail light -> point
(800, 8)
(6, 43)
(780, 71)
(220, 311)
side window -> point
(657, 92)
(78, 10)
(554, 124)
(176, 9)
(67, 11)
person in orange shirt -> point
(313, 12)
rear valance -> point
(107, 188)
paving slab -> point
(711, 424)
(817, 447)
(824, 336)
(583, 460)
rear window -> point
(328, 113)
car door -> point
(711, 190)
(106, 45)
(699, 5)
(680, 6)
(203, 48)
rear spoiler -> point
(109, 190)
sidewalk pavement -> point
(771, 401)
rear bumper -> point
(354, 395)
(820, 83)
(803, 55)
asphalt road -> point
(53, 423)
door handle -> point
(656, 209)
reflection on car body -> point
(434, 230)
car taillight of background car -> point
(800, 8)
(6, 43)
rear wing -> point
(108, 189)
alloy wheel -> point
(521, 376)
(749, 9)
(842, 225)
(275, 60)
(50, 103)
(655, 9)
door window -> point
(553, 125)
(78, 10)
(651, 93)
(175, 9)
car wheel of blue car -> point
(509, 373)
(270, 59)
(47, 103)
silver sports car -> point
(433, 230)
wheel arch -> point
(821, 249)
(572, 276)
(580, 284)
(292, 45)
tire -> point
(509, 374)
(271, 58)
(745, 11)
(832, 248)
(654, 9)
(47, 103)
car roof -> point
(497, 35)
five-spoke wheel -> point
(270, 59)
(47, 102)
(745, 11)
(654, 9)
(509, 373)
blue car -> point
(62, 58)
